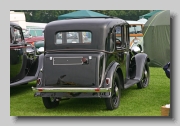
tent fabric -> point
(81, 13)
(148, 15)
(157, 38)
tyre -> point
(145, 78)
(50, 102)
(114, 100)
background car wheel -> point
(145, 78)
(114, 101)
(50, 102)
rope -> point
(151, 22)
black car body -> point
(94, 62)
(23, 68)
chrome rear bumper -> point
(71, 89)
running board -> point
(24, 80)
(130, 82)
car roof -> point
(15, 25)
(99, 27)
(86, 23)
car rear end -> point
(65, 74)
(71, 67)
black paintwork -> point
(23, 69)
(98, 26)
(63, 68)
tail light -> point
(107, 81)
(97, 90)
(40, 89)
(38, 81)
(84, 60)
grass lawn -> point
(134, 102)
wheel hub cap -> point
(116, 91)
(145, 74)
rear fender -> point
(113, 68)
(40, 66)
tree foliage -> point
(45, 16)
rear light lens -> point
(40, 89)
(38, 81)
(97, 89)
(84, 60)
(107, 81)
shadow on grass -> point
(78, 106)
(129, 90)
(71, 107)
(21, 89)
(83, 105)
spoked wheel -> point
(145, 78)
(114, 101)
(50, 102)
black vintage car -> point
(97, 63)
(23, 67)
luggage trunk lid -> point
(71, 70)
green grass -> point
(134, 102)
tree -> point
(45, 16)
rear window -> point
(74, 37)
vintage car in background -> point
(136, 35)
(31, 36)
(93, 62)
(23, 67)
(39, 47)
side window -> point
(127, 35)
(122, 36)
(111, 42)
(125, 32)
(15, 35)
(119, 36)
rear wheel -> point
(114, 101)
(50, 102)
(145, 77)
